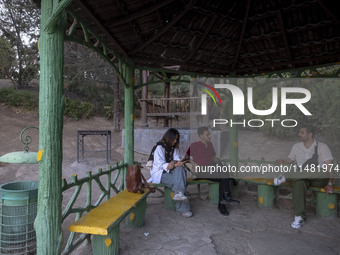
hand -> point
(179, 163)
(329, 189)
(171, 165)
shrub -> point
(77, 109)
(19, 98)
(108, 109)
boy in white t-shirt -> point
(300, 153)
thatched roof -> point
(217, 36)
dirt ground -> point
(13, 121)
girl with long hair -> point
(168, 170)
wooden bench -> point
(103, 221)
(213, 191)
(267, 193)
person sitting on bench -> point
(300, 153)
(203, 154)
(168, 170)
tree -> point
(88, 76)
(19, 24)
(7, 58)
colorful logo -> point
(204, 97)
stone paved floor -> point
(247, 230)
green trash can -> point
(18, 209)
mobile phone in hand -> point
(185, 160)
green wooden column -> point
(51, 107)
(265, 196)
(233, 135)
(214, 191)
(326, 205)
(128, 75)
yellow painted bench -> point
(103, 221)
(267, 193)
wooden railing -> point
(85, 194)
(166, 107)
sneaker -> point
(298, 222)
(187, 214)
(223, 209)
(179, 196)
(279, 180)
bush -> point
(100, 97)
(77, 109)
(19, 98)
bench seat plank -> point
(100, 219)
(190, 181)
(269, 182)
(257, 180)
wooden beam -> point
(282, 66)
(183, 66)
(100, 53)
(242, 35)
(50, 25)
(140, 13)
(89, 14)
(328, 11)
(284, 36)
(206, 32)
(125, 11)
(166, 28)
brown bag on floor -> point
(135, 178)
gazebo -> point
(196, 37)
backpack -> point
(135, 179)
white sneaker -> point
(187, 214)
(298, 222)
(279, 180)
(179, 196)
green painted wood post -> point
(128, 76)
(106, 245)
(326, 205)
(51, 107)
(265, 196)
(136, 218)
(169, 203)
(233, 134)
(235, 190)
(214, 193)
